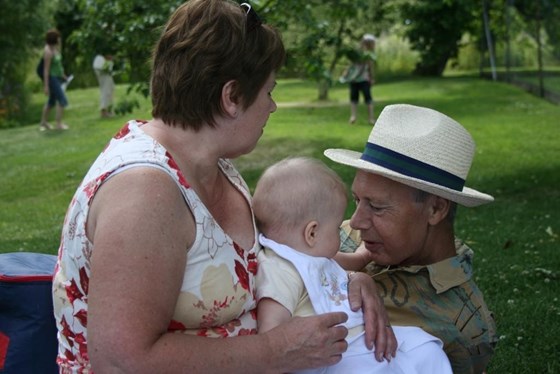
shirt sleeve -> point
(279, 280)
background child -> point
(103, 68)
(360, 76)
(299, 205)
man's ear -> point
(438, 209)
(310, 233)
(230, 100)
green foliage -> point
(22, 26)
(515, 239)
(129, 103)
(513, 37)
(322, 31)
(435, 29)
(394, 57)
(127, 29)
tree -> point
(22, 27)
(126, 28)
(435, 29)
(552, 26)
(538, 13)
(317, 32)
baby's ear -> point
(310, 233)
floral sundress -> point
(217, 297)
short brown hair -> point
(52, 36)
(205, 44)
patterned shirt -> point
(441, 298)
(217, 297)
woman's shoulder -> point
(48, 53)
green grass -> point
(517, 263)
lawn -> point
(515, 239)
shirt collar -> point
(447, 273)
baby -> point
(299, 205)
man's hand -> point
(362, 293)
(309, 342)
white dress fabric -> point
(103, 69)
(217, 297)
(326, 283)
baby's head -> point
(300, 202)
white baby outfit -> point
(326, 284)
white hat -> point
(421, 148)
(368, 37)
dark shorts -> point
(364, 88)
(56, 93)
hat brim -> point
(467, 197)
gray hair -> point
(421, 196)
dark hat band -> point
(411, 167)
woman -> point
(158, 250)
(53, 78)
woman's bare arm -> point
(141, 229)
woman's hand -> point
(362, 293)
(309, 342)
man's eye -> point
(376, 208)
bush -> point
(395, 56)
(24, 24)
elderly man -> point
(409, 181)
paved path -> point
(311, 104)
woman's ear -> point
(438, 209)
(230, 100)
(310, 233)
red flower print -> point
(82, 344)
(254, 314)
(242, 275)
(69, 355)
(67, 332)
(89, 188)
(244, 332)
(123, 132)
(92, 186)
(202, 332)
(221, 331)
(252, 265)
(84, 280)
(171, 162)
(239, 250)
(72, 292)
(176, 326)
(82, 317)
(230, 327)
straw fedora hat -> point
(421, 148)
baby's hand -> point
(363, 254)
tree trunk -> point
(539, 49)
(323, 90)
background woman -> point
(53, 78)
